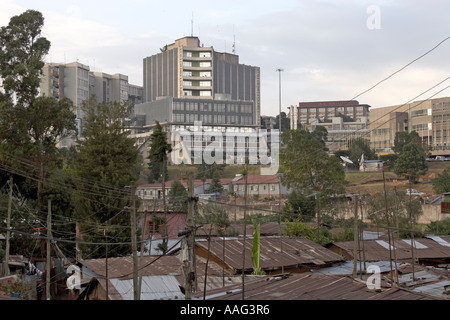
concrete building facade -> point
(77, 82)
(429, 118)
(188, 83)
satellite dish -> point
(345, 159)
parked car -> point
(413, 192)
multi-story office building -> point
(340, 132)
(429, 118)
(187, 83)
(188, 69)
(76, 82)
(344, 120)
(325, 110)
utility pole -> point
(245, 227)
(136, 294)
(355, 237)
(106, 262)
(48, 264)
(8, 227)
(188, 263)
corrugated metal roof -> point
(122, 267)
(153, 287)
(377, 250)
(312, 287)
(275, 252)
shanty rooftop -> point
(275, 252)
(312, 287)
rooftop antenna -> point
(192, 24)
(233, 46)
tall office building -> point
(76, 82)
(429, 118)
(187, 69)
(187, 82)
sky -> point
(328, 49)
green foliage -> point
(403, 138)
(209, 171)
(160, 148)
(256, 251)
(358, 147)
(297, 228)
(178, 196)
(401, 212)
(441, 183)
(307, 167)
(411, 161)
(438, 227)
(321, 134)
(22, 50)
(216, 186)
(107, 162)
(300, 206)
(216, 215)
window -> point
(205, 54)
(205, 74)
(205, 93)
(205, 83)
(187, 64)
(187, 73)
(187, 54)
(187, 83)
(205, 64)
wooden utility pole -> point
(387, 219)
(8, 227)
(48, 267)
(106, 263)
(136, 294)
(245, 228)
(188, 263)
(355, 238)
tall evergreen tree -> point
(159, 151)
(105, 168)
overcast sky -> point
(329, 50)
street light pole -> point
(279, 100)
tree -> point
(309, 170)
(178, 196)
(402, 138)
(441, 183)
(300, 206)
(105, 167)
(358, 147)
(285, 122)
(411, 162)
(321, 134)
(216, 186)
(307, 167)
(21, 57)
(159, 150)
(30, 126)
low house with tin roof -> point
(427, 250)
(277, 254)
(262, 185)
(308, 286)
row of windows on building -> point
(212, 107)
(213, 118)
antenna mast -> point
(192, 25)
(233, 50)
